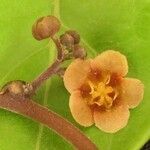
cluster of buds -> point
(47, 27)
(71, 42)
(68, 47)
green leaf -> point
(103, 24)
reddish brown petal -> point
(132, 91)
(112, 61)
(80, 110)
(76, 74)
(112, 120)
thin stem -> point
(59, 48)
(52, 69)
(46, 74)
(34, 111)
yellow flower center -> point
(102, 93)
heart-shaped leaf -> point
(103, 24)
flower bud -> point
(67, 40)
(45, 27)
(17, 87)
(75, 36)
(79, 52)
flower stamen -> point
(100, 93)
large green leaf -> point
(103, 24)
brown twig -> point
(50, 119)
(59, 48)
(45, 75)
(52, 69)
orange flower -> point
(99, 92)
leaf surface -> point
(103, 24)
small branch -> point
(59, 48)
(52, 69)
(45, 75)
(50, 119)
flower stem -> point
(59, 48)
(52, 69)
(45, 75)
(32, 110)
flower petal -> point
(112, 61)
(76, 74)
(113, 119)
(80, 110)
(132, 91)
